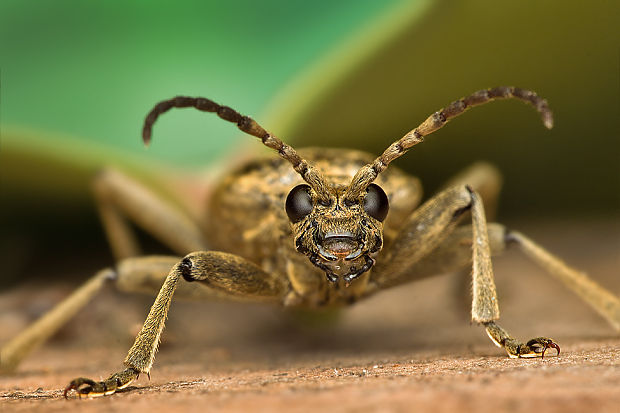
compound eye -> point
(376, 202)
(298, 203)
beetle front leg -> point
(227, 273)
(142, 353)
(423, 232)
(423, 236)
(485, 306)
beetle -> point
(313, 228)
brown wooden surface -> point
(406, 349)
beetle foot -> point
(536, 347)
(90, 388)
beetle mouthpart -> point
(339, 245)
(340, 249)
(367, 265)
(348, 270)
(331, 277)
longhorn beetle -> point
(312, 229)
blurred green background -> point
(78, 78)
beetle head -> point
(338, 234)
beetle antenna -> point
(246, 124)
(437, 120)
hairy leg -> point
(429, 242)
(224, 273)
(135, 275)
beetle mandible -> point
(313, 228)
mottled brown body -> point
(247, 218)
(314, 228)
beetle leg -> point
(38, 332)
(120, 197)
(423, 232)
(485, 306)
(535, 347)
(225, 273)
(423, 238)
(452, 255)
(485, 179)
(601, 300)
(429, 244)
(89, 388)
(135, 275)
